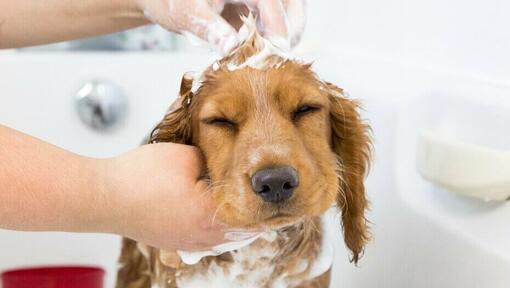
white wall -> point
(470, 37)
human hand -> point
(280, 21)
(154, 196)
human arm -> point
(151, 194)
(26, 23)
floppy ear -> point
(352, 145)
(175, 126)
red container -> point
(54, 277)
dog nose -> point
(275, 184)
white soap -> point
(464, 168)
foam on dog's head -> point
(254, 52)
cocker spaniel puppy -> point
(281, 146)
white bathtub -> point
(423, 236)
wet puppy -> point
(281, 148)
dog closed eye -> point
(304, 110)
(220, 122)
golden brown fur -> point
(246, 120)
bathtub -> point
(424, 236)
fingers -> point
(296, 17)
(218, 33)
(283, 21)
(274, 22)
(198, 20)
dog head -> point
(279, 143)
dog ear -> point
(175, 126)
(352, 145)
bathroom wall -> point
(461, 36)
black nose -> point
(275, 184)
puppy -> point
(281, 146)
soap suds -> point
(197, 82)
(269, 55)
(267, 49)
(250, 267)
(193, 257)
(236, 274)
(259, 60)
(215, 66)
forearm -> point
(43, 187)
(151, 194)
(27, 22)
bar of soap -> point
(464, 168)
